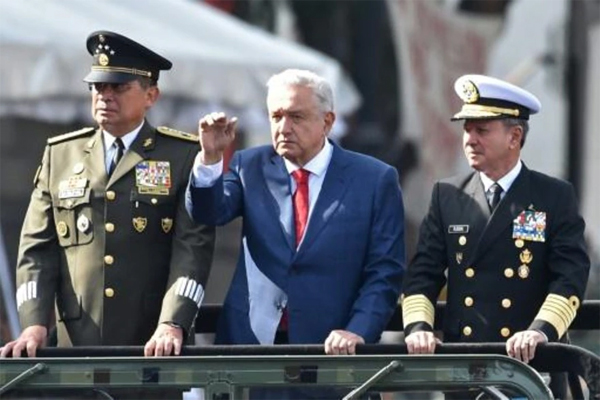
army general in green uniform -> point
(106, 239)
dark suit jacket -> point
(498, 285)
(347, 272)
(117, 254)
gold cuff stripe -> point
(557, 311)
(417, 308)
(132, 71)
(490, 109)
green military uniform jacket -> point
(117, 255)
(524, 266)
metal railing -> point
(226, 371)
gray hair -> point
(298, 77)
(524, 124)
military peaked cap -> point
(118, 59)
(485, 97)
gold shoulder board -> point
(71, 135)
(164, 130)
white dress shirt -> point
(505, 182)
(109, 140)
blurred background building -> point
(392, 62)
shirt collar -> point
(506, 181)
(318, 165)
(127, 139)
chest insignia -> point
(72, 188)
(530, 225)
(459, 257)
(83, 224)
(166, 224)
(139, 224)
(153, 177)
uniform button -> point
(470, 272)
(509, 272)
(110, 227)
(574, 301)
(505, 332)
(109, 260)
(153, 201)
(468, 301)
(62, 229)
(110, 195)
(467, 331)
(109, 292)
(506, 303)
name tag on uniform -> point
(72, 188)
(71, 193)
(530, 225)
(458, 229)
(153, 177)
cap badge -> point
(469, 93)
(103, 60)
(101, 38)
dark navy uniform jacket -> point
(500, 278)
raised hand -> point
(216, 132)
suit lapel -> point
(137, 152)
(94, 160)
(278, 182)
(509, 208)
(477, 219)
(332, 192)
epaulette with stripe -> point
(164, 130)
(71, 135)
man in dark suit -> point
(322, 248)
(106, 234)
(511, 239)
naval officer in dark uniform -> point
(106, 238)
(511, 239)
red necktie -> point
(300, 201)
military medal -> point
(530, 225)
(523, 271)
(83, 223)
(139, 224)
(166, 224)
(153, 177)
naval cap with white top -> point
(485, 97)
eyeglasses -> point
(117, 88)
